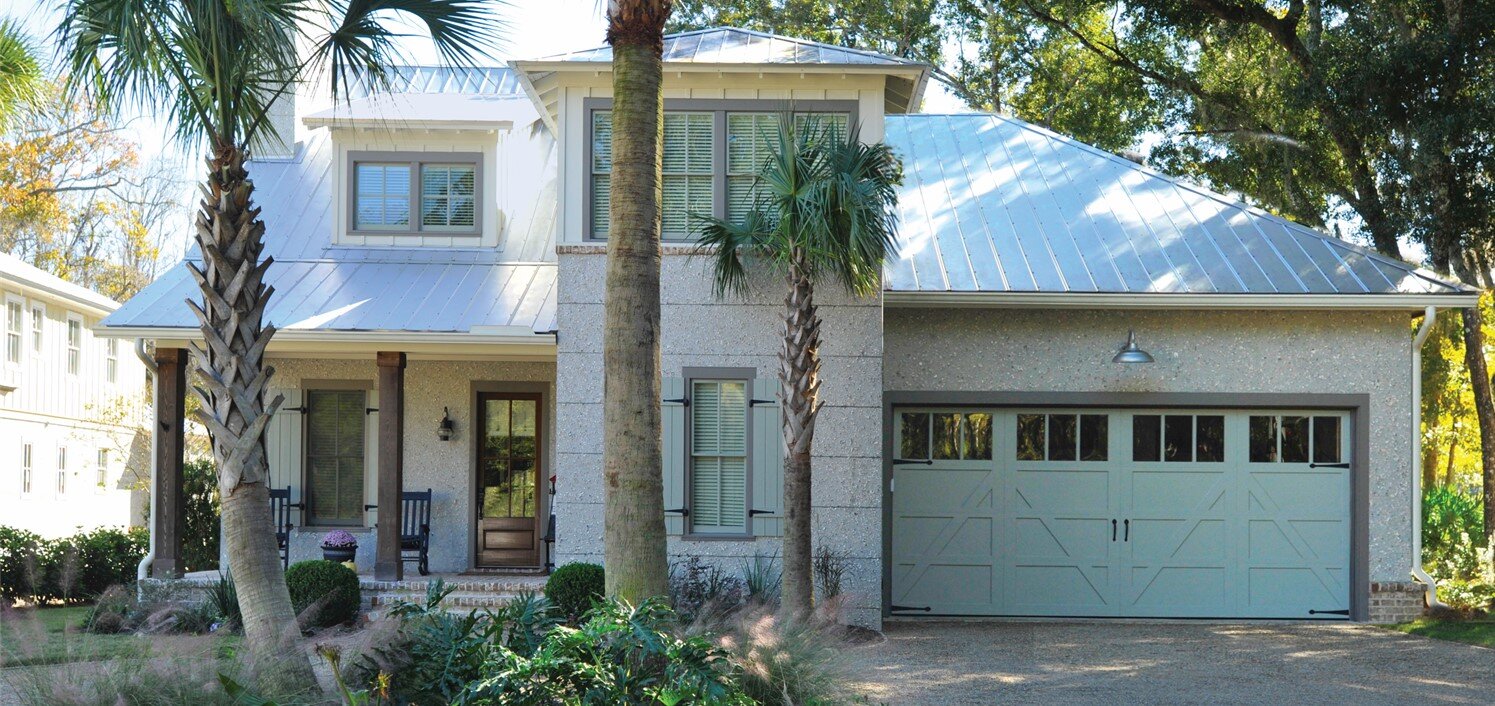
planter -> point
(339, 555)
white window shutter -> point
(768, 459)
(283, 442)
(371, 456)
(672, 423)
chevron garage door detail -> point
(1222, 517)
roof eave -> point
(498, 342)
(1153, 300)
(386, 123)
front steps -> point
(469, 592)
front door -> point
(508, 476)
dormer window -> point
(405, 193)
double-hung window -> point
(335, 456)
(14, 312)
(38, 326)
(718, 458)
(111, 359)
(74, 344)
(412, 194)
(101, 471)
(26, 469)
(62, 470)
(711, 161)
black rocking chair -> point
(280, 513)
(415, 528)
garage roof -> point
(992, 205)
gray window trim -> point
(721, 107)
(747, 375)
(1358, 405)
(308, 387)
(416, 160)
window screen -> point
(335, 456)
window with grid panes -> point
(13, 325)
(687, 175)
(750, 141)
(718, 456)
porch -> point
(470, 591)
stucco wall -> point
(443, 466)
(699, 330)
(1220, 352)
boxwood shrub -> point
(323, 593)
(573, 587)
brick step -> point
(455, 600)
(417, 587)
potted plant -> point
(339, 546)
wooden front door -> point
(508, 515)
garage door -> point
(1121, 512)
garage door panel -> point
(947, 588)
(1059, 589)
(1179, 590)
(1179, 540)
(1292, 591)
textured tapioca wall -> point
(443, 466)
(700, 330)
(1344, 352)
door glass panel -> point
(1326, 440)
(1062, 435)
(1030, 433)
(1263, 439)
(914, 442)
(1147, 430)
(1295, 439)
(509, 449)
(1093, 439)
(978, 436)
(1209, 438)
(1178, 438)
(947, 436)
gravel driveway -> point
(1169, 663)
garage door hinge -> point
(924, 609)
(1345, 612)
(892, 483)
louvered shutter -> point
(371, 459)
(768, 460)
(718, 456)
(672, 423)
(602, 165)
(283, 442)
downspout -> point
(1430, 584)
(143, 569)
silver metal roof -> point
(734, 45)
(993, 204)
(332, 295)
(478, 80)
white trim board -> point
(1152, 300)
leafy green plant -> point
(762, 578)
(200, 530)
(20, 564)
(697, 588)
(224, 598)
(1452, 527)
(619, 655)
(323, 593)
(574, 587)
(72, 569)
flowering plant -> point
(339, 539)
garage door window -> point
(1062, 437)
(951, 436)
(1295, 439)
(1178, 438)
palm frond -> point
(20, 71)
(726, 243)
(362, 45)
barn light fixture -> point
(446, 428)
(1130, 353)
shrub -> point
(573, 587)
(795, 662)
(323, 593)
(620, 655)
(1452, 532)
(762, 578)
(224, 598)
(20, 566)
(829, 567)
(697, 588)
(73, 569)
(200, 527)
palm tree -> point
(20, 71)
(216, 69)
(824, 209)
(633, 487)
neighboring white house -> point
(439, 266)
(71, 405)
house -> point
(979, 453)
(71, 409)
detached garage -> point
(1250, 456)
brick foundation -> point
(1395, 601)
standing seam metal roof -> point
(993, 204)
(735, 45)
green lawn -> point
(33, 636)
(1473, 632)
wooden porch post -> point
(169, 520)
(387, 564)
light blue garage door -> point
(1121, 512)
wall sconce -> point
(1130, 352)
(446, 428)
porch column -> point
(170, 518)
(387, 564)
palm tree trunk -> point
(633, 484)
(231, 368)
(799, 386)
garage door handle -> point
(909, 461)
(1113, 530)
(1126, 525)
(1328, 465)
